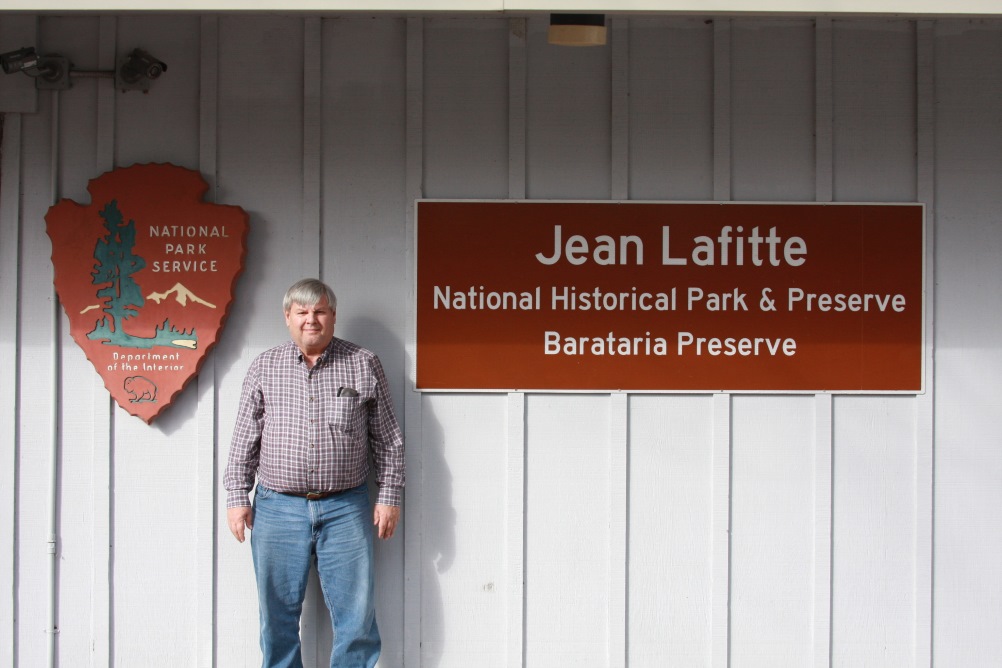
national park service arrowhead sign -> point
(146, 274)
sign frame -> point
(923, 317)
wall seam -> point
(516, 482)
(720, 595)
(414, 401)
(102, 577)
(10, 283)
(314, 631)
(619, 525)
(313, 241)
(206, 414)
(823, 481)
(925, 432)
(515, 528)
(517, 108)
(619, 442)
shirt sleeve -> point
(245, 446)
(386, 441)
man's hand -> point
(386, 518)
(238, 518)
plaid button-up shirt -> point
(296, 434)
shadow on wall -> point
(438, 537)
(438, 540)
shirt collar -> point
(297, 354)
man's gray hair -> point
(308, 292)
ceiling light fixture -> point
(577, 29)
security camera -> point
(21, 60)
(140, 65)
(50, 72)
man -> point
(311, 413)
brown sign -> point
(664, 296)
(146, 274)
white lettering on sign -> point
(603, 249)
(175, 266)
(726, 301)
(610, 344)
(174, 231)
(810, 301)
(730, 346)
(731, 247)
(479, 298)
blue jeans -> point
(291, 533)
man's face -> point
(311, 327)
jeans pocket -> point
(263, 492)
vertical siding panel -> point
(874, 438)
(721, 520)
(619, 530)
(568, 522)
(822, 585)
(35, 373)
(772, 110)
(874, 111)
(73, 406)
(722, 122)
(772, 538)
(516, 489)
(56, 546)
(464, 610)
(517, 82)
(104, 149)
(18, 93)
(466, 108)
(873, 602)
(619, 442)
(515, 531)
(10, 342)
(259, 114)
(924, 441)
(101, 578)
(317, 636)
(158, 471)
(414, 402)
(207, 427)
(312, 142)
(86, 129)
(568, 150)
(18, 97)
(721, 486)
(671, 530)
(70, 525)
(620, 109)
(367, 195)
(671, 108)
(823, 175)
(824, 95)
(162, 125)
(968, 319)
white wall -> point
(540, 530)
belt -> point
(312, 496)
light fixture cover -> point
(577, 30)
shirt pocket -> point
(346, 417)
